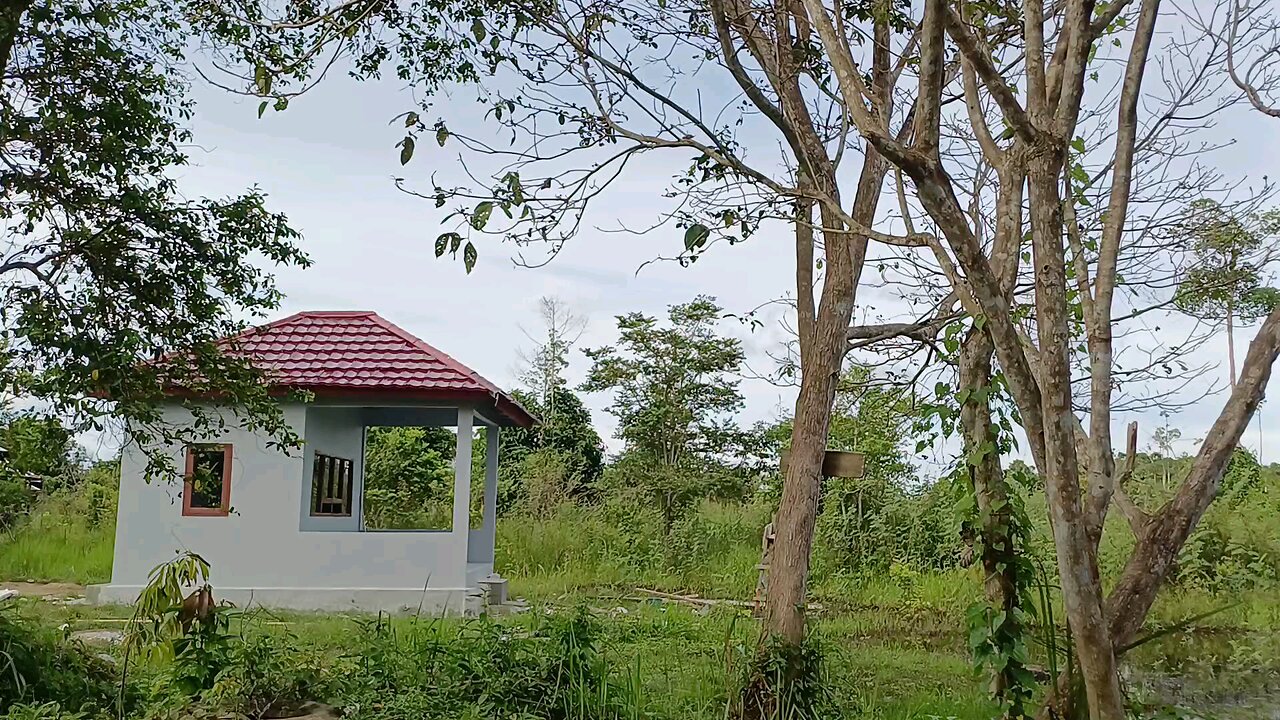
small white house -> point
(285, 528)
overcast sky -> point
(329, 160)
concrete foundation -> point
(467, 602)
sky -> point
(329, 161)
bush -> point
(15, 499)
(44, 711)
(37, 665)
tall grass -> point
(59, 543)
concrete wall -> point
(268, 547)
(337, 432)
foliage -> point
(68, 534)
(40, 446)
(260, 676)
(675, 386)
(15, 498)
(565, 433)
(553, 670)
(113, 284)
(37, 667)
(544, 484)
(158, 623)
(793, 677)
(1230, 253)
(408, 474)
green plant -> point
(42, 711)
(38, 666)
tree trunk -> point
(11, 12)
(1077, 559)
(1231, 344)
(1165, 534)
(822, 349)
(998, 557)
(1160, 541)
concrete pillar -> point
(462, 488)
(489, 527)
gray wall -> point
(267, 543)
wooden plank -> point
(836, 463)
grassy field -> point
(894, 642)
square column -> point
(462, 490)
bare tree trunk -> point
(1231, 344)
(822, 349)
(1077, 561)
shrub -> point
(15, 499)
(552, 670)
(37, 665)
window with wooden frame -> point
(331, 486)
(207, 481)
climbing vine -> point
(992, 519)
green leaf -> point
(442, 134)
(480, 216)
(696, 236)
(262, 107)
(442, 242)
(262, 80)
(469, 257)
(1078, 145)
(406, 150)
(411, 119)
(477, 29)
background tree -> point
(872, 418)
(408, 476)
(104, 265)
(674, 388)
(40, 445)
(571, 438)
(548, 359)
(1226, 280)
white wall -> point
(263, 545)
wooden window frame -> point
(224, 507)
(345, 471)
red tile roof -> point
(361, 352)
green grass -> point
(894, 640)
(54, 546)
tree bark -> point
(1077, 561)
(1231, 345)
(11, 12)
(821, 360)
(998, 556)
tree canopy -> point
(113, 284)
(674, 386)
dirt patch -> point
(44, 590)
